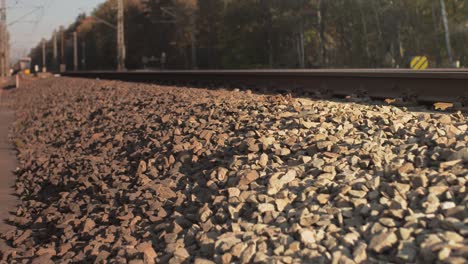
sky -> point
(32, 20)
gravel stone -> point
(148, 252)
(382, 241)
(359, 253)
(247, 254)
(278, 180)
(307, 237)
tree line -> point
(233, 34)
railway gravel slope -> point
(134, 173)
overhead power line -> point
(25, 16)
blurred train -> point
(23, 65)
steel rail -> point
(436, 85)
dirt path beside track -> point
(8, 164)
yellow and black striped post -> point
(419, 63)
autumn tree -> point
(232, 34)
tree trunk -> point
(193, 49)
(447, 32)
(401, 52)
(270, 52)
(436, 31)
(193, 40)
(380, 51)
(364, 29)
(434, 20)
(322, 47)
(300, 46)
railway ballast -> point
(125, 172)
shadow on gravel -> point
(9, 87)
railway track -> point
(445, 85)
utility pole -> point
(120, 36)
(62, 50)
(3, 40)
(75, 51)
(44, 66)
(83, 55)
(55, 50)
(447, 32)
(193, 42)
(7, 53)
